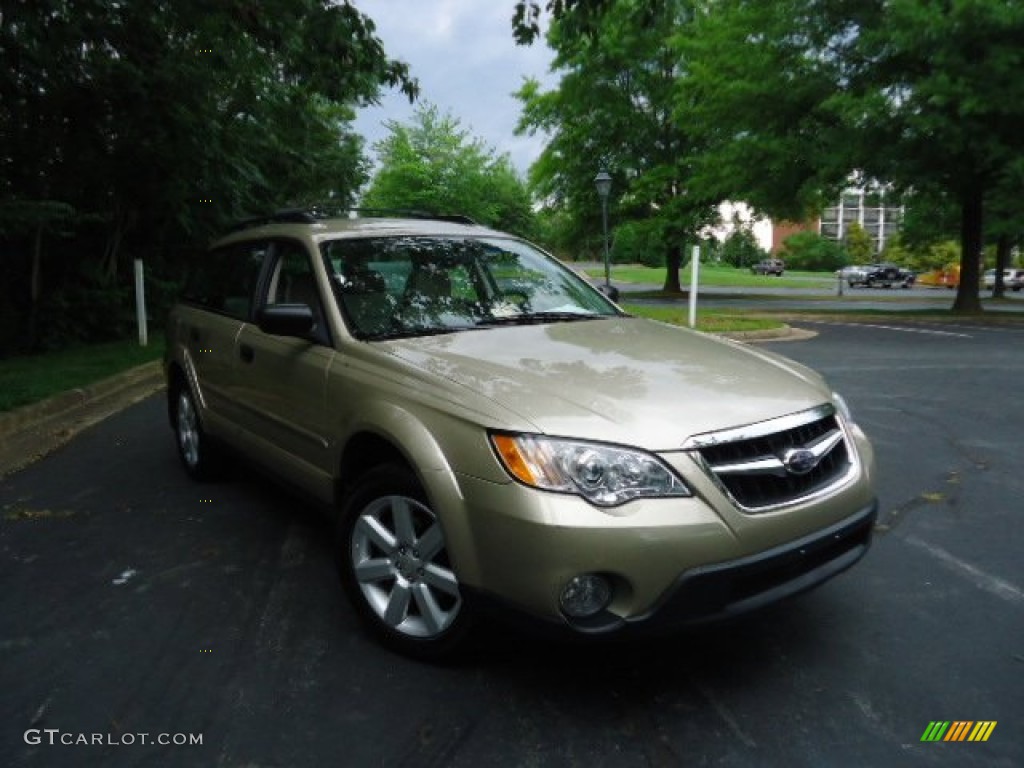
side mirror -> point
(610, 291)
(285, 319)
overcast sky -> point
(467, 63)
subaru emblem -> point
(799, 461)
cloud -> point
(464, 55)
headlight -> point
(604, 475)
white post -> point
(140, 304)
(694, 271)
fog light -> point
(585, 595)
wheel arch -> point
(176, 380)
(364, 451)
(392, 435)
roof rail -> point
(283, 216)
(412, 213)
(319, 212)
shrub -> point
(740, 249)
(814, 253)
(638, 242)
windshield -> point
(390, 287)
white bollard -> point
(694, 271)
(140, 304)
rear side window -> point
(224, 280)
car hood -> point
(622, 380)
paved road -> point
(134, 602)
(818, 295)
(852, 300)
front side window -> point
(401, 286)
(292, 281)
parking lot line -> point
(900, 328)
(992, 584)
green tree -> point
(740, 248)
(792, 95)
(638, 242)
(581, 17)
(896, 252)
(434, 165)
(1006, 221)
(612, 109)
(157, 123)
(857, 244)
(812, 252)
(928, 219)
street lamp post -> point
(603, 182)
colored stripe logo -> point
(959, 730)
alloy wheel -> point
(188, 430)
(401, 566)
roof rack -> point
(412, 213)
(283, 216)
(319, 212)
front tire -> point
(393, 563)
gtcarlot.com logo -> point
(55, 737)
(958, 730)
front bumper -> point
(719, 592)
(726, 590)
(672, 562)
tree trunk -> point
(971, 207)
(1003, 245)
(673, 261)
(111, 253)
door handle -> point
(246, 352)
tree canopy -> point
(613, 109)
(783, 100)
(434, 165)
(153, 124)
(794, 95)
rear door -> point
(217, 303)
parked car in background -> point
(947, 277)
(853, 274)
(1013, 279)
(489, 433)
(769, 267)
(878, 276)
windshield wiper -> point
(536, 318)
(411, 333)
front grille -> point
(760, 467)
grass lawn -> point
(31, 378)
(713, 274)
(712, 321)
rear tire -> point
(199, 457)
(394, 566)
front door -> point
(282, 381)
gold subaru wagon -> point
(495, 435)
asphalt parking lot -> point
(135, 602)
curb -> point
(786, 333)
(33, 431)
(27, 415)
